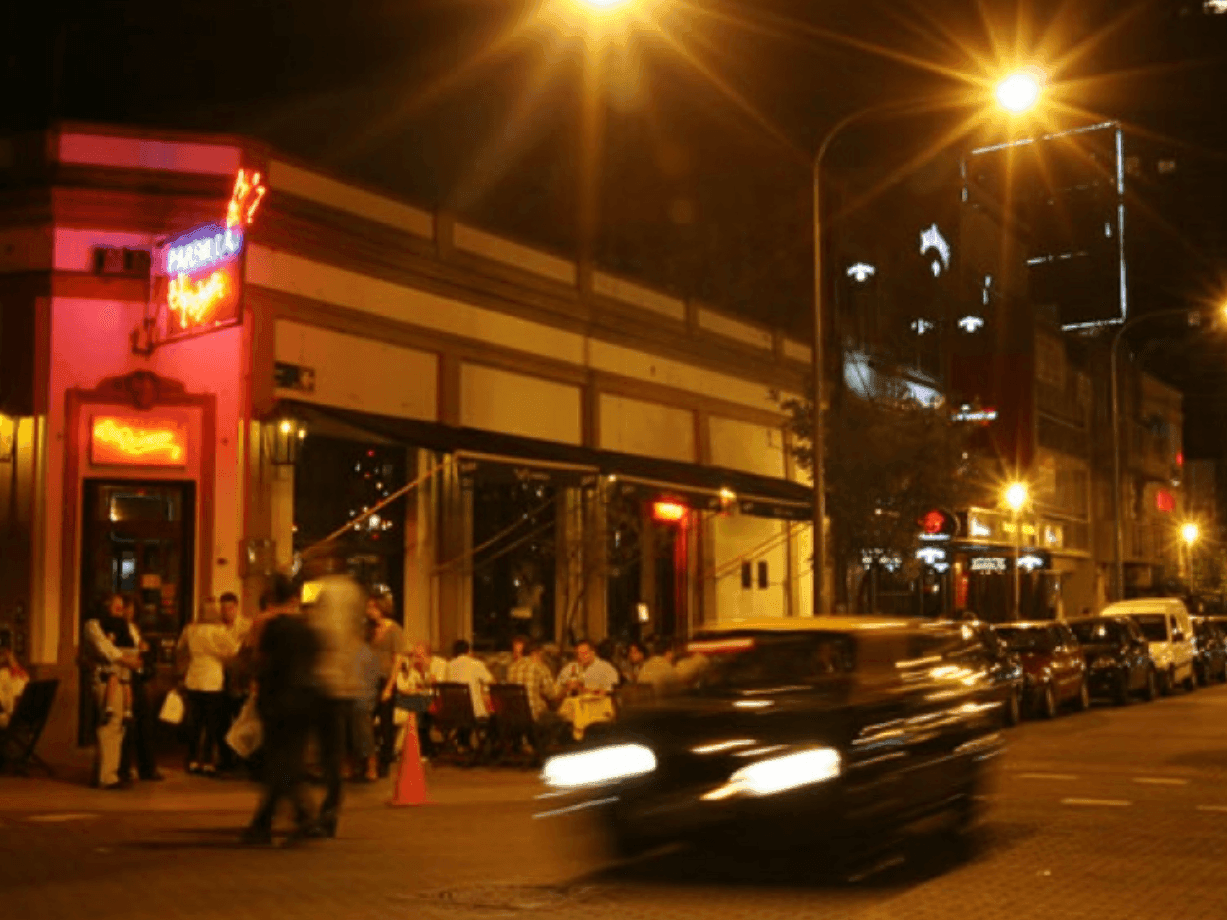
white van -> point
(1165, 623)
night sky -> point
(707, 125)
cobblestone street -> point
(1114, 813)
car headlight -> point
(600, 765)
(780, 774)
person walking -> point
(387, 640)
(338, 622)
(285, 700)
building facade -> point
(215, 358)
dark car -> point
(985, 651)
(1117, 657)
(794, 732)
(1054, 671)
(1210, 650)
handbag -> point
(172, 708)
(247, 733)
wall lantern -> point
(287, 437)
(668, 512)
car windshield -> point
(1098, 632)
(762, 660)
(1024, 639)
(1153, 626)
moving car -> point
(1117, 657)
(1054, 669)
(1168, 628)
(826, 730)
(1210, 643)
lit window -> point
(934, 245)
(971, 323)
(921, 326)
(1214, 7)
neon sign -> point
(668, 512)
(198, 276)
(130, 442)
(244, 199)
(200, 280)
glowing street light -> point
(1190, 533)
(1020, 91)
(1015, 496)
(602, 4)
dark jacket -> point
(286, 669)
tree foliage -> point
(889, 461)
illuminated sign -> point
(931, 239)
(968, 414)
(994, 564)
(118, 441)
(861, 272)
(938, 526)
(668, 512)
(246, 197)
(197, 283)
(200, 280)
(1165, 501)
(1030, 563)
(931, 555)
(971, 323)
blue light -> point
(203, 248)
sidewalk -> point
(69, 793)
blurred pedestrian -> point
(337, 620)
(658, 671)
(139, 739)
(285, 698)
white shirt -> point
(208, 645)
(600, 675)
(468, 670)
(658, 672)
(411, 680)
(10, 690)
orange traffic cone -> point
(410, 786)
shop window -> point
(513, 560)
(747, 575)
(763, 581)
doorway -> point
(138, 538)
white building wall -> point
(633, 426)
(741, 539)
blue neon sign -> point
(202, 248)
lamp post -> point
(1190, 533)
(1016, 498)
(1016, 93)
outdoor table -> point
(585, 709)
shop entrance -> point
(138, 538)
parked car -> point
(1168, 628)
(794, 732)
(1211, 648)
(1054, 669)
(985, 651)
(1117, 657)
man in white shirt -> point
(104, 654)
(465, 669)
(588, 672)
(205, 647)
(658, 671)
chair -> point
(456, 721)
(512, 723)
(20, 738)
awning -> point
(699, 486)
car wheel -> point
(1169, 681)
(1048, 703)
(1122, 689)
(1013, 708)
(1152, 686)
(1083, 702)
(1190, 682)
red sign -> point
(116, 441)
(1165, 501)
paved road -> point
(1117, 813)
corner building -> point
(585, 455)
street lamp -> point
(1190, 533)
(1016, 499)
(1017, 93)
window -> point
(762, 574)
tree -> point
(889, 461)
